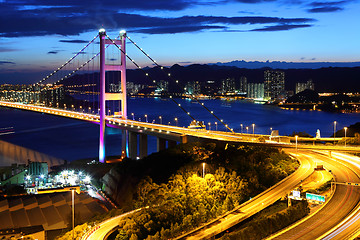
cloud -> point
(73, 41)
(178, 29)
(4, 49)
(53, 52)
(325, 7)
(280, 28)
(73, 17)
(6, 62)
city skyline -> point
(38, 36)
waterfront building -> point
(193, 88)
(228, 86)
(274, 84)
(243, 85)
(299, 87)
(255, 91)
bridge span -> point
(136, 132)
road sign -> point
(315, 197)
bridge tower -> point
(104, 96)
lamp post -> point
(345, 128)
(334, 130)
(160, 119)
(296, 140)
(247, 130)
(209, 125)
(216, 125)
(203, 169)
(241, 126)
(253, 125)
(176, 120)
(146, 118)
(73, 212)
(132, 114)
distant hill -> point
(331, 79)
(286, 65)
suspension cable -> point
(147, 75)
(170, 76)
(81, 66)
(66, 63)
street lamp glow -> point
(160, 119)
(345, 128)
(253, 126)
(241, 126)
(176, 120)
(87, 179)
(296, 141)
(203, 170)
(216, 125)
(334, 131)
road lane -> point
(258, 203)
(344, 200)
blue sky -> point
(37, 36)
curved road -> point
(256, 204)
(343, 202)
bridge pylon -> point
(104, 96)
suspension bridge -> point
(97, 83)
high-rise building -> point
(193, 87)
(274, 84)
(163, 86)
(228, 86)
(302, 86)
(255, 90)
(243, 85)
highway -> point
(101, 230)
(344, 201)
(256, 204)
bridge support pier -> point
(132, 145)
(124, 143)
(160, 144)
(171, 144)
(143, 145)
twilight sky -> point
(37, 36)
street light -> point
(296, 140)
(216, 125)
(73, 212)
(203, 169)
(146, 118)
(247, 130)
(253, 125)
(176, 120)
(160, 119)
(241, 126)
(132, 114)
(209, 125)
(334, 130)
(345, 128)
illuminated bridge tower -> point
(104, 96)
